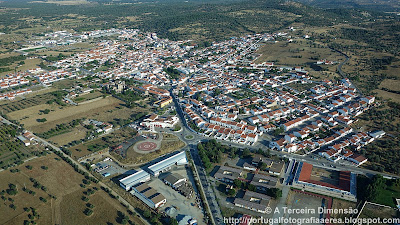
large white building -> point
(156, 121)
(138, 177)
(164, 165)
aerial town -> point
(282, 136)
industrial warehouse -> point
(166, 163)
(135, 183)
(138, 177)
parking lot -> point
(108, 168)
(183, 205)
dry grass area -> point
(373, 211)
(104, 212)
(59, 115)
(61, 181)
(88, 96)
(284, 53)
(117, 136)
(390, 84)
(82, 149)
(76, 133)
(169, 144)
(388, 95)
(30, 64)
(342, 204)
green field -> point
(388, 196)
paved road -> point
(339, 68)
(210, 200)
(210, 195)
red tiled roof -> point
(344, 178)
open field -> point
(83, 149)
(63, 84)
(390, 84)
(61, 181)
(76, 133)
(388, 196)
(284, 53)
(89, 96)
(59, 115)
(388, 95)
(298, 200)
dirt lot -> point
(373, 211)
(342, 204)
(61, 181)
(298, 200)
(59, 115)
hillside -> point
(173, 19)
(380, 5)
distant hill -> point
(177, 19)
(379, 5)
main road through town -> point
(197, 138)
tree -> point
(88, 212)
(262, 166)
(274, 192)
(237, 183)
(251, 187)
(42, 120)
(173, 221)
(377, 185)
(44, 167)
(278, 131)
(147, 214)
(246, 153)
(231, 192)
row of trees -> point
(75, 166)
(60, 129)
